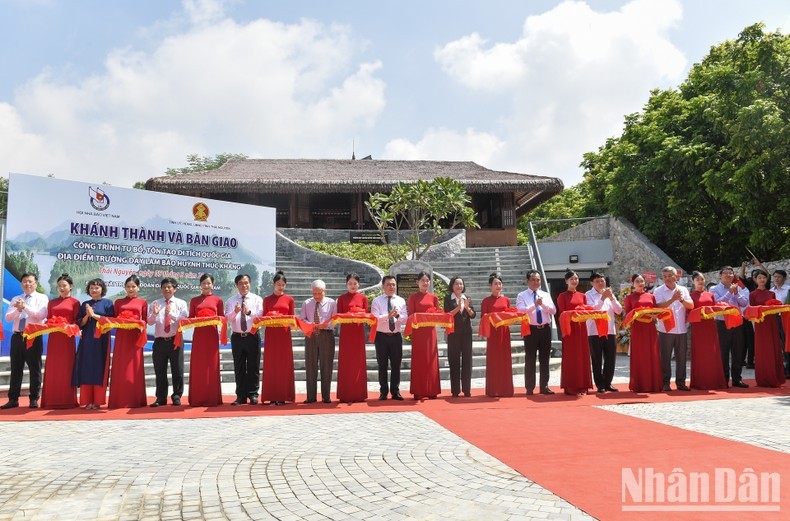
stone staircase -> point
(475, 265)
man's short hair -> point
(385, 278)
(596, 275)
(669, 269)
(726, 268)
(241, 276)
(530, 273)
(168, 280)
(318, 284)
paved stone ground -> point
(290, 468)
(763, 422)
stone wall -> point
(713, 276)
(370, 274)
(588, 230)
(338, 236)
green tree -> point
(196, 163)
(570, 203)
(422, 206)
(252, 271)
(704, 170)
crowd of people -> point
(661, 320)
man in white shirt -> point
(731, 341)
(164, 314)
(240, 310)
(319, 348)
(538, 304)
(677, 299)
(28, 308)
(537, 345)
(602, 348)
(390, 310)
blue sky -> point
(118, 91)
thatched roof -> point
(349, 176)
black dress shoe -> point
(612, 389)
(239, 401)
(467, 394)
(326, 400)
(176, 401)
(455, 395)
(155, 404)
(530, 392)
(396, 396)
(666, 388)
(601, 390)
(309, 401)
(382, 396)
(740, 384)
(278, 403)
(253, 400)
(10, 404)
(682, 387)
(34, 403)
(546, 390)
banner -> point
(100, 231)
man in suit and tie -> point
(319, 348)
(390, 310)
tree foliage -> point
(422, 206)
(570, 203)
(704, 170)
(196, 163)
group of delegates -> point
(717, 346)
(88, 367)
(589, 346)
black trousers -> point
(162, 353)
(602, 349)
(21, 355)
(731, 344)
(319, 353)
(246, 350)
(389, 353)
(459, 358)
(537, 345)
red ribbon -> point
(504, 318)
(771, 307)
(732, 315)
(202, 320)
(430, 319)
(645, 314)
(583, 313)
(53, 325)
(126, 320)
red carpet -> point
(561, 442)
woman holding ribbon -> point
(278, 354)
(706, 366)
(127, 377)
(768, 358)
(205, 385)
(646, 374)
(352, 370)
(499, 361)
(93, 354)
(424, 350)
(58, 393)
(576, 376)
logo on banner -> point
(200, 212)
(99, 200)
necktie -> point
(316, 316)
(389, 310)
(167, 317)
(538, 313)
(23, 316)
(243, 320)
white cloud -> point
(570, 78)
(262, 88)
(447, 145)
